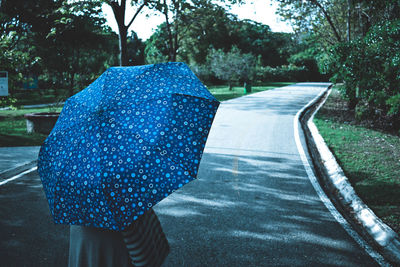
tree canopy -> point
(66, 44)
(358, 43)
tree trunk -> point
(73, 68)
(230, 85)
(175, 42)
(169, 31)
(329, 19)
(349, 6)
(177, 6)
(119, 14)
(123, 46)
(71, 84)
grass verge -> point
(13, 128)
(222, 92)
(369, 158)
(36, 96)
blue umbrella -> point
(131, 138)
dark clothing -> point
(146, 241)
(143, 243)
(94, 247)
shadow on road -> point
(254, 210)
(29, 236)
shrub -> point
(283, 73)
(8, 101)
(370, 70)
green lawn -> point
(13, 128)
(369, 158)
(35, 96)
(222, 92)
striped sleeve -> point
(146, 241)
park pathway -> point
(253, 203)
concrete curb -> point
(333, 177)
(14, 171)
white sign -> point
(3, 83)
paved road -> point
(28, 235)
(253, 203)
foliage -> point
(135, 50)
(203, 72)
(355, 42)
(233, 65)
(283, 73)
(156, 49)
(55, 42)
(8, 101)
(373, 89)
(307, 56)
(18, 20)
(119, 10)
(256, 38)
(207, 26)
(75, 34)
(199, 28)
(173, 12)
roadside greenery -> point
(358, 43)
(13, 127)
(232, 66)
(224, 92)
(64, 45)
(369, 157)
(370, 69)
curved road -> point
(253, 204)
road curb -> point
(335, 181)
(17, 170)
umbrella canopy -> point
(128, 140)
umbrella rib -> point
(180, 164)
(110, 70)
(160, 97)
(199, 97)
(63, 130)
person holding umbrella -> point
(127, 141)
(143, 243)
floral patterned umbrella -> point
(128, 140)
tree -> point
(360, 47)
(73, 39)
(371, 88)
(135, 50)
(22, 24)
(256, 38)
(55, 41)
(172, 11)
(336, 21)
(232, 66)
(322, 17)
(119, 10)
(156, 49)
(188, 36)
